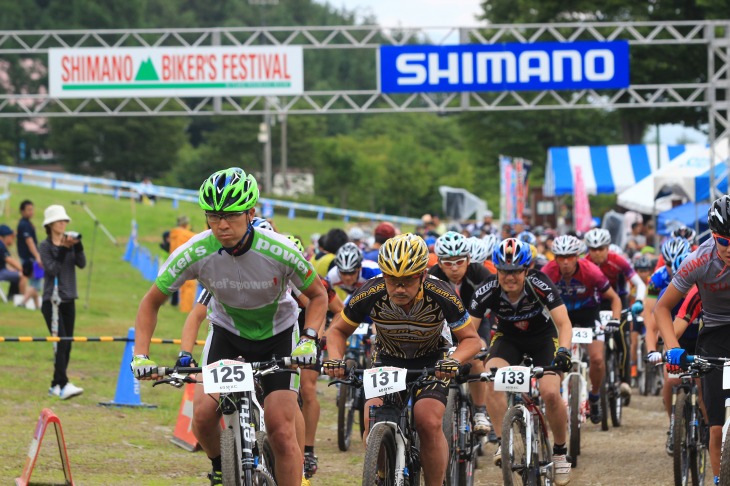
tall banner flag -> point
(522, 170)
(505, 186)
(581, 206)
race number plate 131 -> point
(381, 381)
(512, 379)
(226, 376)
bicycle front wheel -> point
(345, 416)
(230, 458)
(379, 468)
(699, 456)
(615, 403)
(516, 465)
(450, 426)
(680, 425)
(574, 419)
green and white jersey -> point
(251, 294)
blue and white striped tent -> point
(608, 169)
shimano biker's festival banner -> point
(175, 71)
(504, 67)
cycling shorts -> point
(542, 349)
(223, 344)
(714, 342)
(438, 391)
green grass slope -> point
(106, 445)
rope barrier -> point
(84, 339)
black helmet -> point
(718, 216)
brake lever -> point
(176, 382)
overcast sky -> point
(414, 13)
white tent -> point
(459, 204)
(687, 177)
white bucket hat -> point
(54, 213)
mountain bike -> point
(611, 401)
(392, 451)
(690, 431)
(246, 455)
(575, 389)
(706, 364)
(526, 451)
(650, 377)
(351, 399)
(464, 445)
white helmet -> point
(356, 234)
(567, 245)
(451, 244)
(597, 238)
(490, 241)
(261, 223)
(348, 258)
(478, 252)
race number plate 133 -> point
(226, 376)
(512, 379)
(381, 381)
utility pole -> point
(284, 154)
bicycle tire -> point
(515, 463)
(680, 424)
(450, 426)
(361, 410)
(345, 416)
(615, 403)
(574, 419)
(415, 477)
(604, 404)
(699, 455)
(266, 453)
(379, 456)
(230, 458)
(466, 453)
(725, 460)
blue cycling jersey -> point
(658, 282)
(369, 270)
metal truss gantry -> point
(713, 95)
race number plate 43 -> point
(381, 381)
(226, 376)
(512, 379)
(582, 335)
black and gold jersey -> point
(411, 334)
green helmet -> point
(297, 242)
(229, 190)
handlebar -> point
(180, 375)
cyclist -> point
(350, 270)
(681, 232)
(481, 252)
(252, 313)
(409, 309)
(583, 287)
(671, 249)
(619, 273)
(707, 268)
(531, 318)
(382, 232)
(455, 267)
(644, 266)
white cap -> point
(54, 213)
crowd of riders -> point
(509, 289)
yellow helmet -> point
(403, 255)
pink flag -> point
(581, 206)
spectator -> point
(333, 240)
(382, 232)
(147, 191)
(178, 236)
(438, 225)
(11, 269)
(28, 250)
(506, 231)
(636, 240)
(61, 253)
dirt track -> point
(630, 455)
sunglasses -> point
(217, 217)
(721, 240)
(402, 281)
(354, 272)
(599, 248)
(453, 263)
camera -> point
(73, 234)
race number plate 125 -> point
(512, 379)
(226, 376)
(381, 381)
(582, 335)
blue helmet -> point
(512, 254)
(678, 262)
(674, 247)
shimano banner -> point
(504, 67)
